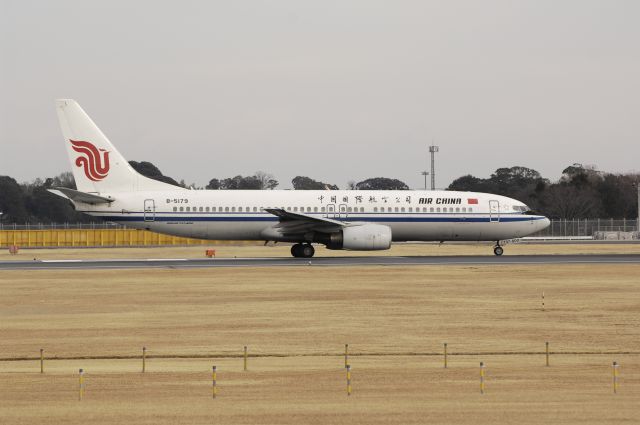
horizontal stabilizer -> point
(77, 196)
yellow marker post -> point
(41, 360)
(547, 351)
(445, 355)
(346, 355)
(481, 378)
(245, 357)
(615, 377)
(348, 380)
(144, 359)
(81, 385)
(214, 387)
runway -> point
(184, 263)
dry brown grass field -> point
(394, 318)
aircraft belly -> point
(461, 231)
(245, 230)
(421, 231)
(213, 230)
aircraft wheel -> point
(308, 250)
(296, 250)
(498, 250)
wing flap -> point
(288, 216)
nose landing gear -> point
(300, 250)
(498, 249)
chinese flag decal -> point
(472, 200)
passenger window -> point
(233, 209)
(375, 209)
(431, 209)
(410, 209)
(402, 209)
(349, 209)
(226, 209)
(470, 209)
(438, 209)
(207, 209)
(188, 209)
(181, 209)
(239, 209)
(361, 209)
(315, 209)
(424, 209)
(457, 209)
(323, 209)
(175, 208)
(396, 209)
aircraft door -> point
(331, 211)
(149, 210)
(494, 211)
(342, 213)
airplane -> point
(108, 187)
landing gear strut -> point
(498, 249)
(300, 250)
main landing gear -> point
(498, 249)
(301, 250)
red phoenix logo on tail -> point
(96, 166)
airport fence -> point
(84, 236)
(588, 227)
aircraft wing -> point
(293, 223)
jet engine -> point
(368, 237)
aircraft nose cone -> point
(545, 222)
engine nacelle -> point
(368, 237)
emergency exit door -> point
(149, 210)
(494, 211)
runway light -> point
(81, 384)
(547, 352)
(348, 380)
(214, 383)
(245, 357)
(445, 355)
(346, 355)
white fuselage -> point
(239, 214)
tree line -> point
(581, 192)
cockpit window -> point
(521, 208)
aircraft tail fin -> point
(97, 165)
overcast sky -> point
(335, 90)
